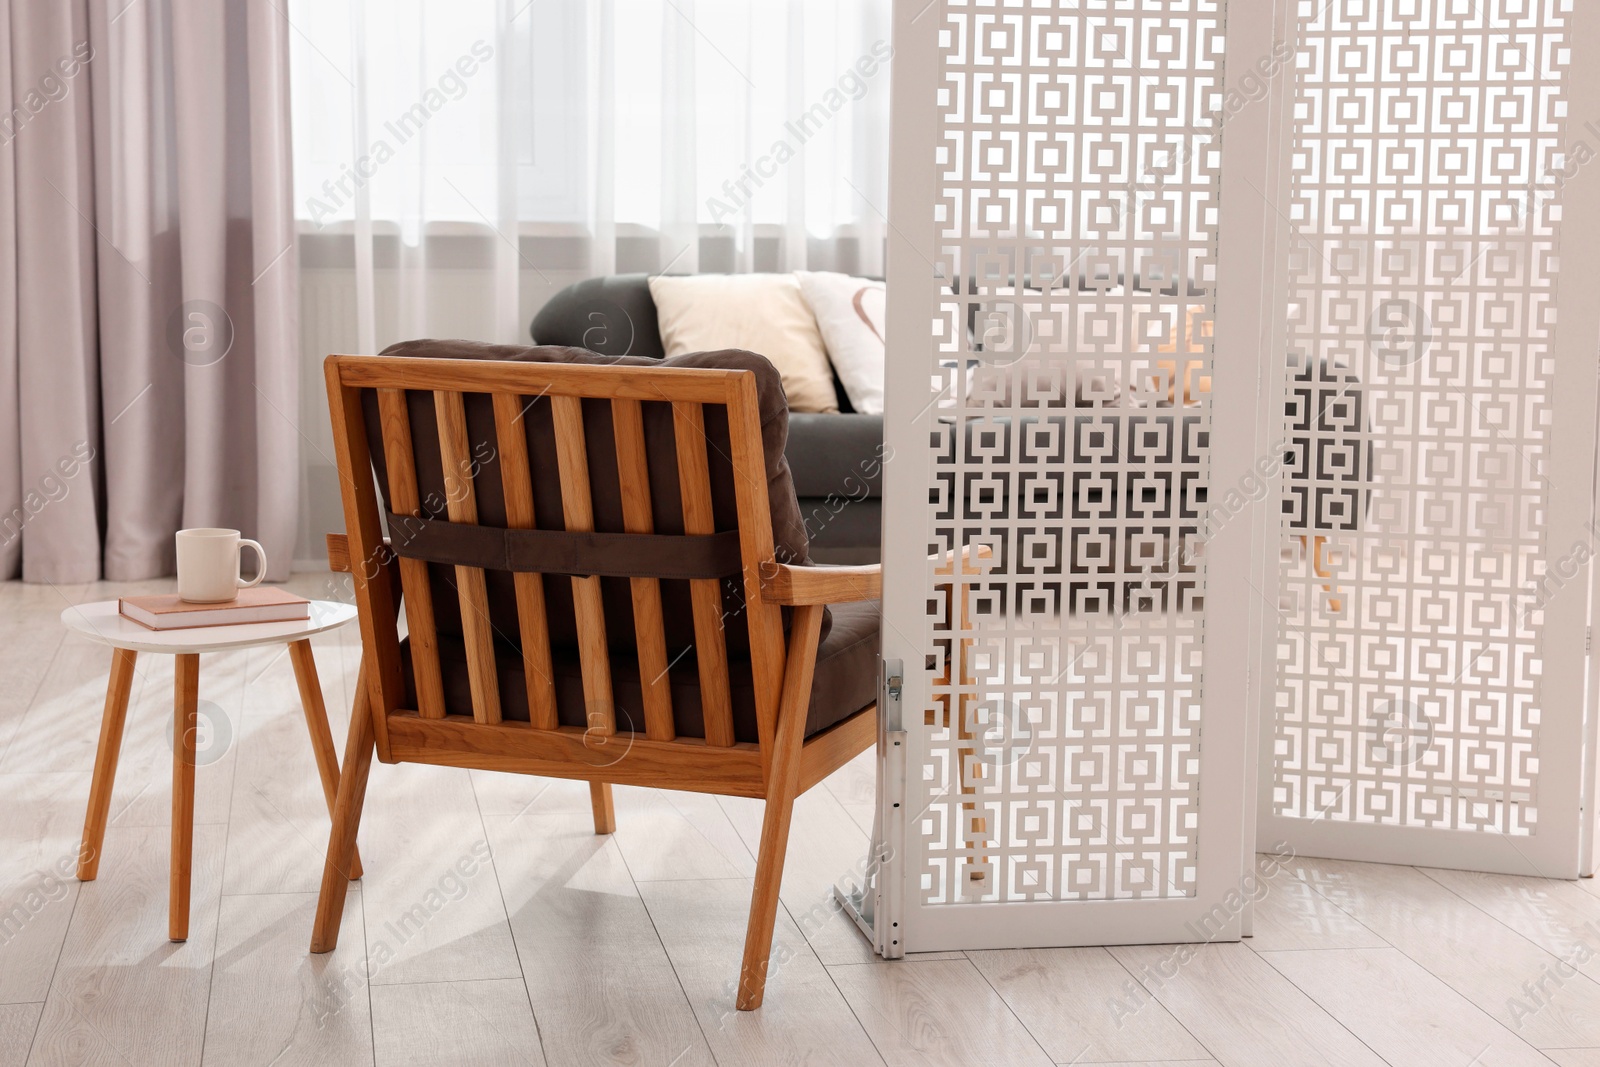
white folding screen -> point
(1241, 427)
(1439, 397)
(1061, 764)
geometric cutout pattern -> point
(1425, 208)
(1069, 398)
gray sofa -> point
(836, 458)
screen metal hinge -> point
(894, 680)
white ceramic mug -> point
(208, 565)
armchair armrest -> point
(339, 553)
(784, 584)
(947, 560)
(339, 560)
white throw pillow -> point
(761, 313)
(850, 314)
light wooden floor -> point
(566, 948)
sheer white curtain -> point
(510, 147)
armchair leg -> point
(782, 787)
(605, 815)
(305, 676)
(336, 869)
(764, 900)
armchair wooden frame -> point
(783, 762)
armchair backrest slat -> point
(710, 647)
(577, 504)
(418, 599)
(516, 481)
(633, 475)
(461, 504)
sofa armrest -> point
(613, 315)
(836, 455)
(785, 584)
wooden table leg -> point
(105, 762)
(305, 675)
(185, 732)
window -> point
(557, 111)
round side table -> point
(101, 622)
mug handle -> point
(261, 559)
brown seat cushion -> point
(846, 680)
(789, 535)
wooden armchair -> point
(594, 556)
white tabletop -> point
(101, 622)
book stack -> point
(258, 604)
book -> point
(258, 604)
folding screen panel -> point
(1062, 764)
(1439, 396)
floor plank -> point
(1471, 951)
(1245, 1013)
(1292, 915)
(515, 795)
(431, 900)
(855, 787)
(1070, 1000)
(60, 728)
(665, 834)
(17, 1023)
(939, 1012)
(1439, 1028)
(465, 1024)
(804, 1019)
(31, 648)
(122, 992)
(279, 816)
(1574, 1057)
(274, 1002)
(39, 840)
(601, 985)
(1557, 916)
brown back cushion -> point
(787, 526)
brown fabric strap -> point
(608, 555)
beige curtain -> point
(148, 335)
